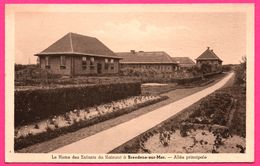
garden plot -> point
(208, 129)
(197, 141)
(78, 118)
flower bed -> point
(71, 121)
(197, 141)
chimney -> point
(132, 51)
(141, 51)
(211, 50)
(207, 48)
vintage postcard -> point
(121, 83)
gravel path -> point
(107, 140)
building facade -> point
(75, 55)
(184, 62)
(209, 60)
(157, 60)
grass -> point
(68, 138)
(133, 145)
(154, 90)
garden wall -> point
(33, 105)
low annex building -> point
(184, 62)
(154, 60)
(76, 54)
(209, 59)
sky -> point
(177, 33)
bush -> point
(240, 72)
(33, 105)
(227, 68)
(206, 68)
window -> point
(84, 63)
(47, 65)
(176, 68)
(92, 60)
(38, 61)
(112, 66)
(106, 63)
(62, 62)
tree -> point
(206, 68)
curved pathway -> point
(107, 140)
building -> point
(184, 62)
(75, 54)
(209, 61)
(155, 60)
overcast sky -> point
(177, 33)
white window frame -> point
(106, 64)
(84, 65)
(92, 64)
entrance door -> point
(99, 68)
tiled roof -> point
(76, 44)
(208, 55)
(183, 61)
(145, 57)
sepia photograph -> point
(130, 83)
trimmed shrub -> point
(198, 79)
(33, 105)
(208, 75)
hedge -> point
(194, 79)
(33, 105)
(212, 74)
(187, 80)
